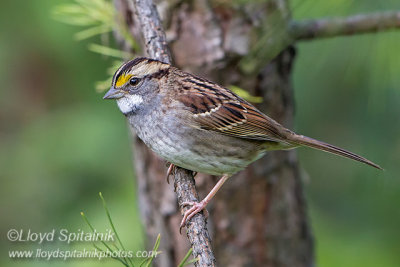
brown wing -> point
(216, 108)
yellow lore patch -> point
(122, 79)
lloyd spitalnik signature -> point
(62, 235)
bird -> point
(199, 125)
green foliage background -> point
(61, 143)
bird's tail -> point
(307, 141)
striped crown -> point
(139, 67)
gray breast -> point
(194, 149)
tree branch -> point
(156, 46)
(153, 34)
(357, 24)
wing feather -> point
(215, 108)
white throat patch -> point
(129, 103)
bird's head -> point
(136, 82)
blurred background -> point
(61, 144)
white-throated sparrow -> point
(199, 125)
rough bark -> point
(259, 216)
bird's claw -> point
(170, 170)
(196, 208)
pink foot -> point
(196, 208)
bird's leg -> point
(199, 206)
(170, 170)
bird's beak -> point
(113, 94)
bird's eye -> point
(134, 81)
